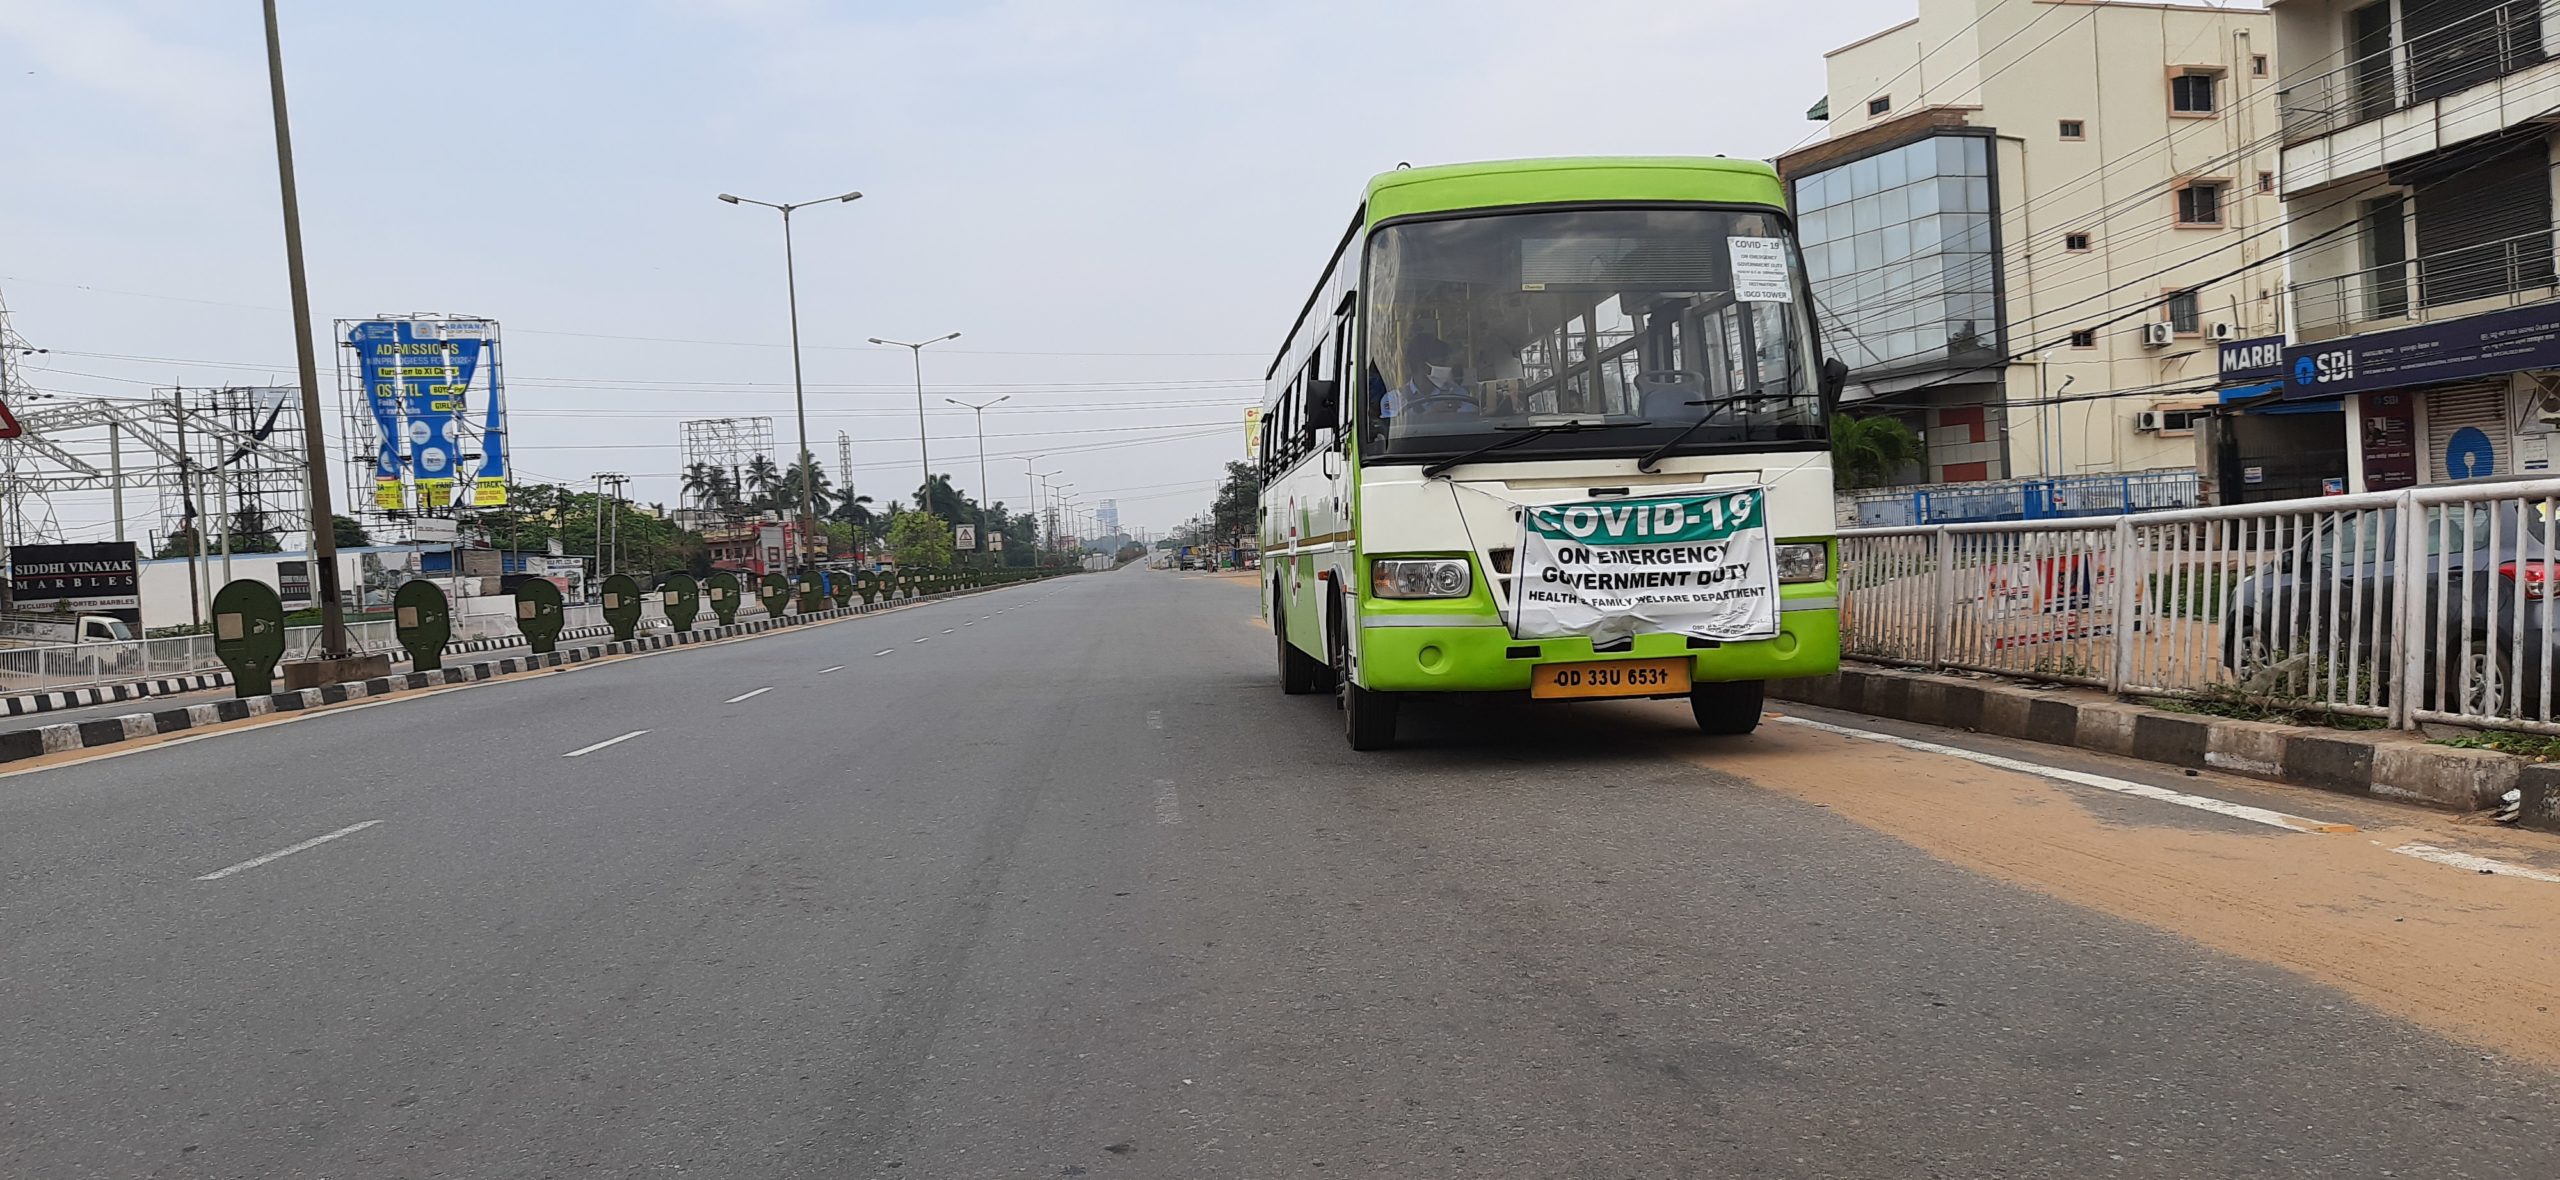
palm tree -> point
(1866, 452)
(853, 508)
(701, 483)
(807, 473)
(764, 478)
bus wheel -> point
(1368, 717)
(1727, 710)
(1299, 673)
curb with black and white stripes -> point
(108, 694)
(134, 690)
(18, 745)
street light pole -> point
(924, 445)
(315, 442)
(1039, 525)
(984, 491)
(799, 391)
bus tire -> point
(1729, 709)
(1368, 717)
(1299, 673)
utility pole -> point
(315, 441)
(195, 517)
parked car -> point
(2488, 574)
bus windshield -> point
(1633, 324)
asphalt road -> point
(1052, 881)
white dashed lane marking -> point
(281, 853)
(583, 751)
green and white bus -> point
(1555, 428)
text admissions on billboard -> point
(434, 447)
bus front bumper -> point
(1404, 658)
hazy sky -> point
(1119, 202)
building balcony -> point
(2440, 87)
(2446, 286)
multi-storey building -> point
(2032, 224)
(2417, 187)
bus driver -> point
(1431, 387)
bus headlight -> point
(1804, 563)
(1434, 578)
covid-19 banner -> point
(432, 392)
(1702, 565)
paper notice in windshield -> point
(1703, 565)
(1760, 270)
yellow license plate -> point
(1610, 678)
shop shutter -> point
(2478, 404)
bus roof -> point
(1497, 183)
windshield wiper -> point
(1519, 436)
(1646, 464)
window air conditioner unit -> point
(2225, 332)
(2160, 335)
(2148, 421)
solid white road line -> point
(749, 695)
(877, 654)
(2221, 807)
(1168, 802)
(281, 853)
(837, 668)
(586, 750)
(2477, 864)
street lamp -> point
(799, 392)
(1033, 478)
(1059, 498)
(924, 447)
(984, 491)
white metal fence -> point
(2427, 605)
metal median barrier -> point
(2425, 605)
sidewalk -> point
(2381, 764)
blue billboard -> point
(419, 377)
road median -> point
(74, 737)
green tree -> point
(348, 532)
(807, 470)
(1232, 513)
(251, 534)
(1868, 452)
(764, 479)
(943, 500)
(921, 541)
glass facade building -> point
(1900, 251)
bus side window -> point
(1289, 424)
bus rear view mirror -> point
(1835, 378)
(1324, 405)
